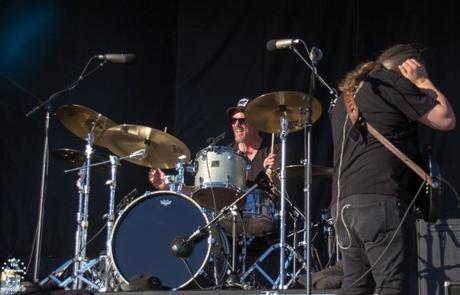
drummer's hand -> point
(157, 179)
(270, 161)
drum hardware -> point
(79, 258)
(181, 166)
(127, 199)
(293, 255)
(182, 246)
(212, 141)
(45, 156)
(283, 112)
(329, 233)
(94, 280)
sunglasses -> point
(241, 121)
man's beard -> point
(241, 137)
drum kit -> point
(185, 241)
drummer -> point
(248, 141)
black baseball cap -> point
(240, 106)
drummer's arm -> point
(271, 163)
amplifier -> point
(438, 257)
(451, 288)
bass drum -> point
(144, 231)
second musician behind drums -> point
(248, 141)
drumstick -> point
(273, 143)
(269, 170)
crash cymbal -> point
(298, 171)
(264, 112)
(80, 120)
(78, 158)
(161, 149)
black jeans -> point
(365, 225)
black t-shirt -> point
(257, 163)
(392, 105)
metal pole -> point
(41, 206)
(283, 136)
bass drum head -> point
(142, 236)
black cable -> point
(452, 188)
(388, 245)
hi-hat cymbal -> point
(161, 149)
(80, 120)
(299, 170)
(78, 158)
(264, 112)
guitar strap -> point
(356, 118)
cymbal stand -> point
(181, 166)
(37, 246)
(233, 279)
(83, 185)
(96, 281)
(101, 281)
(283, 137)
(279, 282)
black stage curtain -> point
(194, 60)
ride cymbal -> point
(264, 112)
(161, 149)
(81, 120)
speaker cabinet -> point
(438, 257)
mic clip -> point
(212, 141)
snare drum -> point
(142, 237)
(258, 215)
(220, 176)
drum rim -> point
(146, 195)
(217, 184)
(223, 148)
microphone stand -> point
(332, 91)
(45, 161)
(306, 243)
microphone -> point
(182, 246)
(212, 141)
(117, 58)
(281, 44)
(315, 54)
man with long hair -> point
(369, 194)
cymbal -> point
(161, 149)
(264, 112)
(80, 120)
(78, 158)
(298, 171)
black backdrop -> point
(194, 59)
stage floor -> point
(224, 292)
